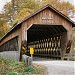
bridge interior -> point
(45, 39)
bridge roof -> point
(47, 6)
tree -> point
(63, 7)
(3, 27)
(16, 8)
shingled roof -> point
(46, 6)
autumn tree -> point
(64, 7)
(3, 26)
(19, 9)
(26, 8)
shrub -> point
(12, 67)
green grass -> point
(32, 70)
(12, 73)
(12, 67)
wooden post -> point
(63, 44)
(31, 52)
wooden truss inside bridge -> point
(46, 40)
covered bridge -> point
(48, 31)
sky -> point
(71, 1)
(3, 2)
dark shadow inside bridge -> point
(46, 40)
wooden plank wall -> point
(56, 19)
(11, 36)
(47, 16)
(50, 17)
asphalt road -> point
(58, 67)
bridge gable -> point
(48, 16)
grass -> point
(12, 67)
(34, 70)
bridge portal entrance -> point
(47, 40)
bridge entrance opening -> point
(47, 40)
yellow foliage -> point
(23, 14)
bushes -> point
(12, 67)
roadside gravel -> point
(58, 67)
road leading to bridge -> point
(59, 67)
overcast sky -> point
(2, 3)
(71, 1)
